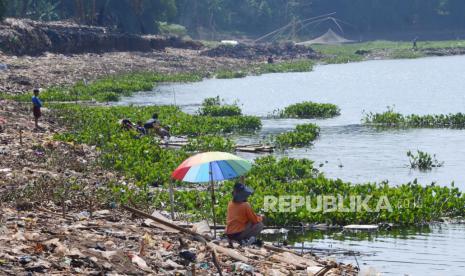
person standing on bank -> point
(36, 105)
(242, 224)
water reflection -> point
(399, 251)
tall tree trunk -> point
(79, 10)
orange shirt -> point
(239, 214)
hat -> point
(241, 192)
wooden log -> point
(281, 259)
(229, 252)
(161, 221)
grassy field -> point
(382, 49)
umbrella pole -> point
(172, 199)
(213, 200)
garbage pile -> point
(23, 73)
(260, 51)
(111, 242)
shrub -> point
(172, 29)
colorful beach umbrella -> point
(211, 167)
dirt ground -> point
(22, 73)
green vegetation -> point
(382, 49)
(423, 160)
(230, 74)
(310, 110)
(91, 119)
(143, 160)
(209, 143)
(2, 8)
(303, 65)
(252, 17)
(172, 29)
(411, 203)
(302, 136)
(110, 88)
(390, 118)
(213, 107)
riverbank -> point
(379, 49)
(23, 73)
(62, 68)
(58, 209)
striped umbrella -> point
(211, 167)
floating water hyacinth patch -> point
(309, 110)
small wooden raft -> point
(252, 148)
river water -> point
(357, 153)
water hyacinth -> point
(390, 118)
(214, 107)
(412, 203)
(111, 88)
(302, 136)
(423, 160)
(142, 158)
(145, 162)
(310, 110)
(209, 143)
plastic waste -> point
(187, 255)
(241, 267)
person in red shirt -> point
(242, 224)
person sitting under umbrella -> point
(242, 224)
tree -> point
(2, 8)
